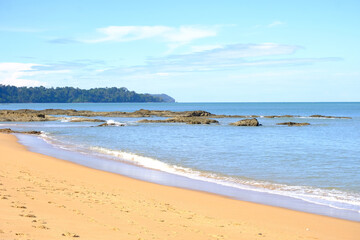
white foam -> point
(65, 120)
(334, 198)
(114, 123)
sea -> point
(313, 168)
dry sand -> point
(45, 198)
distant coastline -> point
(12, 94)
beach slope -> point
(46, 198)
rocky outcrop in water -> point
(83, 120)
(187, 120)
(247, 122)
(9, 130)
(23, 116)
(113, 124)
(322, 116)
(27, 115)
(281, 116)
(37, 116)
(290, 124)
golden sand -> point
(46, 198)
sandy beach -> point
(46, 198)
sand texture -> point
(45, 198)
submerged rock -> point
(322, 116)
(290, 124)
(112, 123)
(187, 120)
(84, 120)
(247, 122)
(9, 130)
(27, 115)
(198, 113)
(281, 116)
(15, 116)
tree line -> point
(12, 94)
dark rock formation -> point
(48, 114)
(247, 122)
(281, 116)
(85, 120)
(24, 116)
(290, 124)
(37, 116)
(187, 120)
(322, 116)
(198, 113)
(9, 130)
(114, 124)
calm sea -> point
(319, 163)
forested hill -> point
(11, 94)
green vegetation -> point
(11, 94)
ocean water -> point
(318, 164)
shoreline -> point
(192, 182)
(43, 197)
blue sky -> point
(195, 51)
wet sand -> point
(42, 197)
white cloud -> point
(186, 34)
(21, 74)
(179, 35)
(251, 50)
(275, 24)
(14, 73)
(128, 33)
(228, 57)
(202, 48)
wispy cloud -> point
(234, 58)
(14, 73)
(201, 48)
(229, 57)
(275, 24)
(182, 34)
(32, 74)
(174, 37)
(62, 41)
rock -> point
(187, 120)
(27, 115)
(6, 130)
(198, 113)
(85, 120)
(114, 124)
(9, 130)
(24, 116)
(322, 116)
(290, 124)
(247, 122)
(31, 132)
(280, 116)
(192, 120)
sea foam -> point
(329, 197)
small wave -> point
(114, 123)
(333, 198)
(136, 159)
(329, 197)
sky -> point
(194, 51)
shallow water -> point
(317, 163)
